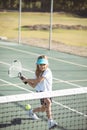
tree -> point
(44, 5)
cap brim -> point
(42, 61)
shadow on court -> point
(18, 121)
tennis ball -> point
(28, 107)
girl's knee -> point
(48, 102)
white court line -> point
(15, 85)
(10, 84)
(67, 82)
(36, 54)
(81, 80)
(5, 63)
(71, 109)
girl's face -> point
(43, 67)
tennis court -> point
(69, 72)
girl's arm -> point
(33, 82)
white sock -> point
(50, 120)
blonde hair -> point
(38, 72)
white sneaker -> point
(33, 115)
(52, 124)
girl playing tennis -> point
(42, 83)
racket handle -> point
(22, 77)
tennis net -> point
(69, 110)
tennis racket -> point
(15, 70)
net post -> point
(19, 23)
(50, 33)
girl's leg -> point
(51, 122)
(46, 107)
(48, 104)
(39, 109)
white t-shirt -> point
(46, 84)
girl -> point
(42, 83)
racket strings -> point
(15, 69)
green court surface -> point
(69, 71)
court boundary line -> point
(5, 84)
(36, 54)
(15, 85)
(83, 80)
(67, 82)
(69, 108)
(55, 82)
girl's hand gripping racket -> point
(15, 70)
